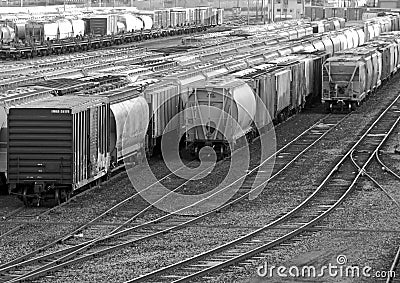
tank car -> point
(7, 34)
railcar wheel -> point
(57, 196)
(68, 194)
(25, 196)
(353, 106)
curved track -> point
(133, 230)
(393, 276)
(338, 184)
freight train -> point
(351, 75)
(347, 13)
(80, 149)
(284, 85)
(34, 38)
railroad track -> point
(27, 55)
(337, 185)
(23, 215)
(134, 230)
(378, 179)
(393, 272)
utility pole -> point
(272, 10)
(263, 10)
(248, 12)
(257, 10)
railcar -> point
(227, 106)
(283, 88)
(164, 93)
(61, 144)
(42, 38)
(352, 75)
(55, 144)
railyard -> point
(318, 188)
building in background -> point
(289, 9)
(391, 4)
(337, 3)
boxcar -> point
(57, 145)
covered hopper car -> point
(352, 75)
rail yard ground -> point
(365, 228)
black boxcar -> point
(57, 145)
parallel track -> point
(394, 274)
(97, 43)
(42, 262)
(338, 184)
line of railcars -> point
(351, 75)
(160, 96)
(348, 13)
(72, 65)
(63, 35)
(284, 85)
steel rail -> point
(32, 254)
(392, 271)
(249, 254)
(58, 264)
